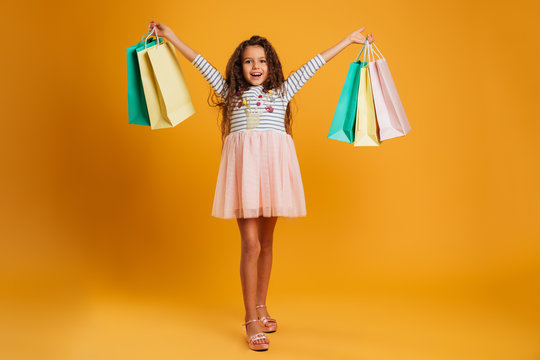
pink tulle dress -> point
(259, 173)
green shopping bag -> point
(343, 123)
(137, 111)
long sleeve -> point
(296, 80)
(211, 75)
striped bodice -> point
(269, 114)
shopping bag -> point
(166, 93)
(366, 132)
(171, 83)
(391, 117)
(342, 127)
(137, 111)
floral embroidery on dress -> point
(253, 110)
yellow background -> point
(423, 248)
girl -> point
(259, 176)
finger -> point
(362, 29)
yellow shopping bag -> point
(167, 96)
(366, 132)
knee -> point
(251, 246)
(266, 244)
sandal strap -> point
(258, 336)
(247, 322)
(265, 319)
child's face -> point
(254, 62)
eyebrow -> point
(249, 57)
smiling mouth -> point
(256, 75)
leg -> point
(266, 239)
(250, 249)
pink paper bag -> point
(391, 116)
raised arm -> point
(163, 30)
(297, 80)
(188, 52)
(210, 74)
(355, 37)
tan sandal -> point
(270, 324)
(259, 336)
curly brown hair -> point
(234, 79)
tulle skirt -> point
(259, 175)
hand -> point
(356, 37)
(161, 29)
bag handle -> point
(367, 52)
(379, 51)
(146, 34)
(373, 53)
(367, 55)
(357, 56)
(149, 34)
